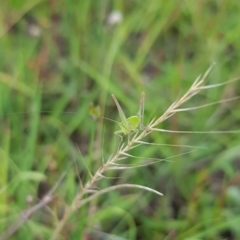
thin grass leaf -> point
(219, 84)
(89, 172)
(156, 160)
(170, 145)
(197, 132)
(112, 188)
(205, 105)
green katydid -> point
(131, 124)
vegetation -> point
(64, 174)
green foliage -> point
(57, 57)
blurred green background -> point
(59, 57)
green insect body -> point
(131, 124)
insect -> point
(131, 124)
